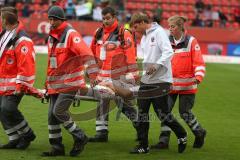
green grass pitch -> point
(217, 109)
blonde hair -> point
(178, 20)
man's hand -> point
(196, 81)
(94, 82)
(151, 70)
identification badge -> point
(102, 53)
(53, 62)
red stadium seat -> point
(190, 8)
(182, 1)
(164, 23)
(37, 1)
(192, 2)
(181, 8)
(19, 6)
(165, 15)
(129, 5)
(45, 15)
(191, 15)
(235, 25)
(235, 3)
(225, 10)
(216, 2)
(165, 6)
(173, 13)
(173, 7)
(228, 25)
(216, 24)
(225, 2)
(165, 1)
(35, 15)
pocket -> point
(10, 61)
(184, 55)
(61, 55)
(60, 50)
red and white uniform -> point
(115, 61)
(17, 61)
(68, 55)
(187, 65)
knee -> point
(56, 113)
(7, 110)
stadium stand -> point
(185, 7)
(168, 7)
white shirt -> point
(157, 51)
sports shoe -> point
(78, 146)
(139, 149)
(25, 141)
(99, 137)
(160, 145)
(10, 145)
(199, 140)
(182, 143)
(55, 151)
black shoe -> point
(99, 138)
(140, 150)
(78, 146)
(24, 142)
(199, 140)
(182, 143)
(55, 151)
(159, 145)
(10, 145)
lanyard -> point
(4, 39)
(52, 53)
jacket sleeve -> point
(93, 45)
(80, 48)
(164, 44)
(197, 61)
(131, 57)
(25, 55)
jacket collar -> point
(110, 28)
(183, 39)
(153, 27)
(18, 29)
(56, 33)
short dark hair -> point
(10, 14)
(110, 10)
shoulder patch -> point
(152, 39)
(197, 47)
(10, 61)
(24, 50)
(76, 39)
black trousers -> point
(186, 103)
(58, 114)
(161, 108)
(12, 120)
